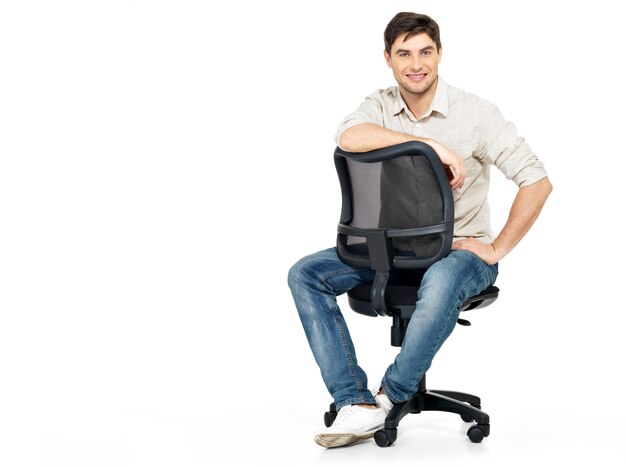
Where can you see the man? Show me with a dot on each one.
(469, 135)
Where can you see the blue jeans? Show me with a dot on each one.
(316, 280)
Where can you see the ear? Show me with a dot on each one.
(387, 58)
(440, 52)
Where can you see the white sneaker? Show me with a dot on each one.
(353, 423)
(384, 402)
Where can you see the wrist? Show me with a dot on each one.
(431, 142)
(498, 252)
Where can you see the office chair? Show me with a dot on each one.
(397, 218)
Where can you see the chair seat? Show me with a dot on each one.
(402, 298)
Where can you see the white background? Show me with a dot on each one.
(164, 163)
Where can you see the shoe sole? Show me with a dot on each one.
(335, 440)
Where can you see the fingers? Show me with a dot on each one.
(468, 244)
(484, 251)
(460, 245)
(458, 175)
(455, 164)
(457, 182)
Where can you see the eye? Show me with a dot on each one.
(426, 53)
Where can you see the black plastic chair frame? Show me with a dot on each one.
(374, 299)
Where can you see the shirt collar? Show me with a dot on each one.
(439, 103)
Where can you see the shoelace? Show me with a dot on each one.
(344, 413)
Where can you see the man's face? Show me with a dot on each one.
(414, 63)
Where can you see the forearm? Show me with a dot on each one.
(369, 137)
(524, 212)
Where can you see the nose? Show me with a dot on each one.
(416, 62)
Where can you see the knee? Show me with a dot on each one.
(302, 272)
(294, 275)
(310, 271)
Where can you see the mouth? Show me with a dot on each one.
(416, 77)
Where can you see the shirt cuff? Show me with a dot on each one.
(346, 126)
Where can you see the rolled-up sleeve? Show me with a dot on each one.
(370, 111)
(502, 147)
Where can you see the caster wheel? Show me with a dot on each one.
(476, 434)
(329, 417)
(385, 437)
(468, 418)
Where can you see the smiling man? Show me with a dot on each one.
(470, 135)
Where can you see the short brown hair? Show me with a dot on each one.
(411, 24)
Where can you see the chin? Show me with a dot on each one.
(417, 89)
(420, 88)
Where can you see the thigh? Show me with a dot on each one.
(324, 269)
(461, 273)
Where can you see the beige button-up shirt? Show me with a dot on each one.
(471, 126)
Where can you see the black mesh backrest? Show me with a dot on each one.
(402, 190)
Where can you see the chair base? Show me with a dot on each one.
(463, 404)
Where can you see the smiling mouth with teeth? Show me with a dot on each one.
(416, 77)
